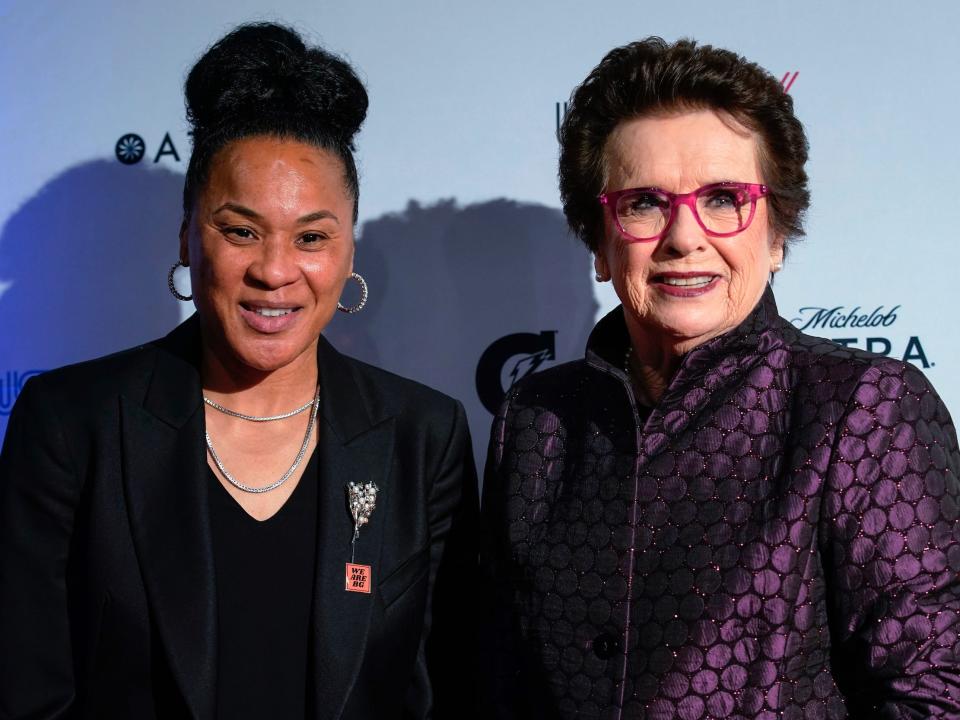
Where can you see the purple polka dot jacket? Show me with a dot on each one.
(777, 538)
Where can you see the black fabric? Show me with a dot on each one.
(264, 582)
(108, 593)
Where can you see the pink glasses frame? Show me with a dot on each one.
(755, 191)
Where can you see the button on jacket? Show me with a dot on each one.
(107, 579)
(777, 538)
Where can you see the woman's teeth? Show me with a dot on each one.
(273, 312)
(687, 281)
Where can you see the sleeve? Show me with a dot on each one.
(503, 690)
(446, 666)
(891, 545)
(38, 493)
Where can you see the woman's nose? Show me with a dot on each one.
(684, 235)
(274, 266)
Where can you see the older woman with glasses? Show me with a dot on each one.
(713, 515)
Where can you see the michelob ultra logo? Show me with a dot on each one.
(840, 325)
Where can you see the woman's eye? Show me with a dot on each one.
(240, 232)
(312, 238)
(643, 203)
(722, 199)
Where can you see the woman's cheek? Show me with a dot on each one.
(635, 291)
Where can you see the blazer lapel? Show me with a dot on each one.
(164, 470)
(355, 445)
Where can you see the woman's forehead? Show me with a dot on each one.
(265, 155)
(681, 149)
(268, 171)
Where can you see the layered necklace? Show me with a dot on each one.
(315, 404)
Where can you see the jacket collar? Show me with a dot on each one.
(703, 370)
(164, 472)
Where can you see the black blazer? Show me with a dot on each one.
(108, 604)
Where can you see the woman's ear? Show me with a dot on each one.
(600, 266)
(776, 254)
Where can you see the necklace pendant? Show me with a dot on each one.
(358, 578)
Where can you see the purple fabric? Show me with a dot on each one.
(778, 538)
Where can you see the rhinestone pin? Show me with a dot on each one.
(362, 498)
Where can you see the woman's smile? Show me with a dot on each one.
(685, 284)
(269, 318)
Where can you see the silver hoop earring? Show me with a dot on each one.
(363, 296)
(173, 288)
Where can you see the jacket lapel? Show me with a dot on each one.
(164, 470)
(355, 445)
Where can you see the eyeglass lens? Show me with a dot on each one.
(645, 213)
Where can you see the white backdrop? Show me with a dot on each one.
(460, 233)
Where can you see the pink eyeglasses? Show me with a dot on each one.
(722, 209)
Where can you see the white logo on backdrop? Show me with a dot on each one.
(867, 325)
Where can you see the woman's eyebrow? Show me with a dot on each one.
(318, 215)
(239, 209)
(254, 215)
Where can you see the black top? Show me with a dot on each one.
(264, 577)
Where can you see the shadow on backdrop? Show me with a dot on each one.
(449, 283)
(84, 263)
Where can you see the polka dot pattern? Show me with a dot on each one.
(778, 538)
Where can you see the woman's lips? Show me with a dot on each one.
(269, 319)
(685, 284)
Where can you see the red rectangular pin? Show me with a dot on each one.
(358, 578)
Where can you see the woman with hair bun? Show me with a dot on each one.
(236, 520)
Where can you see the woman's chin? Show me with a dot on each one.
(267, 363)
(689, 329)
(266, 355)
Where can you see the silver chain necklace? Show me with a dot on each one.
(293, 468)
(255, 418)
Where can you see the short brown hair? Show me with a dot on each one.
(651, 76)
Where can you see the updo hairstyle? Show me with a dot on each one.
(261, 79)
(652, 76)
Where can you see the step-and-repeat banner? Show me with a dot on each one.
(474, 281)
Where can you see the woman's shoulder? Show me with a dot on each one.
(811, 351)
(862, 377)
(553, 389)
(131, 370)
(565, 375)
(108, 375)
(393, 384)
(397, 395)
(82, 399)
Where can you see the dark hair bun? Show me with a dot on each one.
(264, 70)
